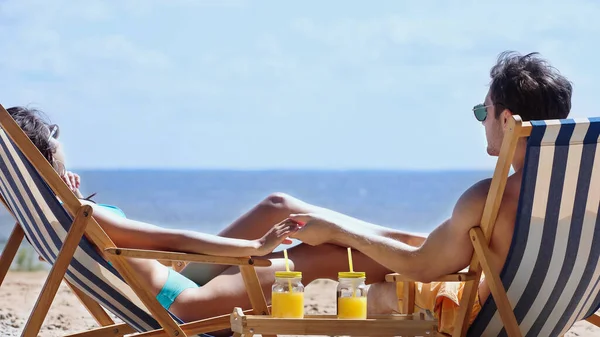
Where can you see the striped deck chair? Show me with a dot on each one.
(69, 238)
(551, 278)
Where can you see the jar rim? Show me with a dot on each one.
(288, 274)
(349, 274)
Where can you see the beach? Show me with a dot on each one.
(67, 315)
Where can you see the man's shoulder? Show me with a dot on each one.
(477, 193)
(469, 207)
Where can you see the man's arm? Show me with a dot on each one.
(411, 239)
(446, 250)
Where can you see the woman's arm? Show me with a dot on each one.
(127, 233)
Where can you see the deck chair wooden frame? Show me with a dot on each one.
(481, 260)
(329, 325)
(84, 224)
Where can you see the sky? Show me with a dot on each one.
(235, 84)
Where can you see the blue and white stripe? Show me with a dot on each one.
(46, 224)
(552, 273)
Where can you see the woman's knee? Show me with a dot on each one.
(277, 199)
(281, 202)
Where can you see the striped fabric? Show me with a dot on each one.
(552, 273)
(46, 224)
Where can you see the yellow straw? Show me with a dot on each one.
(287, 268)
(287, 263)
(350, 259)
(351, 269)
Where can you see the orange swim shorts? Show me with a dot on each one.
(441, 300)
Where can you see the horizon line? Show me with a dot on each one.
(285, 169)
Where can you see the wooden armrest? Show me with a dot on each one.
(457, 277)
(177, 256)
(594, 319)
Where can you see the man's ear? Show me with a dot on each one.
(505, 117)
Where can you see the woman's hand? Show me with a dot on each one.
(73, 181)
(277, 235)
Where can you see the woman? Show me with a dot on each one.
(255, 233)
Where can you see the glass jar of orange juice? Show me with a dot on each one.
(352, 295)
(287, 295)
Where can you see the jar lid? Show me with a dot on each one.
(349, 274)
(288, 274)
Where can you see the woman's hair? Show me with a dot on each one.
(39, 131)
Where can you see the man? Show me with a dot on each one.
(520, 85)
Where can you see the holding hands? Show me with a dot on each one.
(312, 229)
(277, 235)
(315, 229)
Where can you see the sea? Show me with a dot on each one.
(209, 200)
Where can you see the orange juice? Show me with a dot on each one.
(352, 307)
(287, 305)
(352, 295)
(287, 295)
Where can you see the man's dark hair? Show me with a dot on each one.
(37, 129)
(529, 87)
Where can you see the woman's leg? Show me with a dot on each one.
(227, 290)
(278, 206)
(254, 224)
(261, 218)
(257, 221)
(251, 225)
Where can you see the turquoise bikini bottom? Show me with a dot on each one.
(176, 283)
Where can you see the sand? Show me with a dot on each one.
(20, 290)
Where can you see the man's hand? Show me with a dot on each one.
(277, 235)
(315, 229)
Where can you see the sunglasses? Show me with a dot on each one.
(480, 111)
(54, 131)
